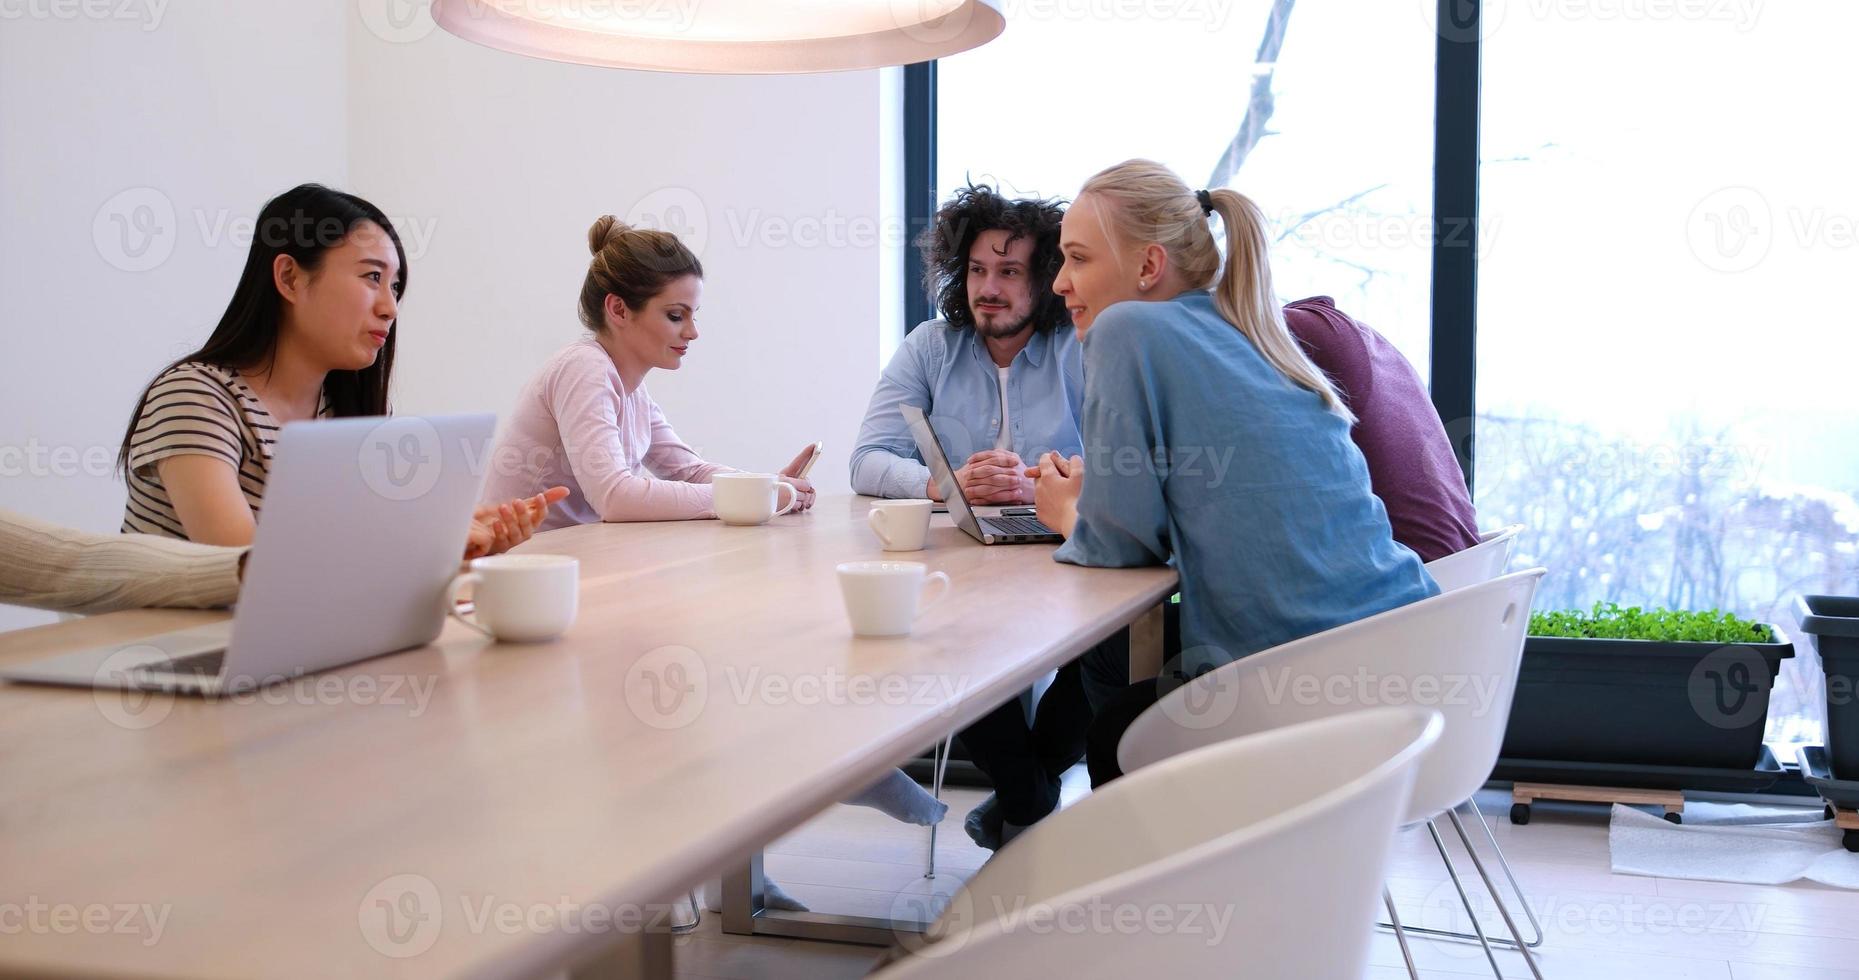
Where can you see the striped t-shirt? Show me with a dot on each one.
(197, 409)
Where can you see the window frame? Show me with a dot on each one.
(1454, 313)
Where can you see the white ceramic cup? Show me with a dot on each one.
(901, 525)
(750, 498)
(519, 598)
(883, 598)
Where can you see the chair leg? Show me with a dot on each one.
(1536, 928)
(1516, 889)
(1400, 935)
(697, 916)
(1491, 886)
(1464, 899)
(940, 764)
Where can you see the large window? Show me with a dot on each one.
(1265, 96)
(1667, 352)
(1667, 332)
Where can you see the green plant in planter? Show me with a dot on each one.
(1608, 621)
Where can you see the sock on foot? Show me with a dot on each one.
(899, 796)
(983, 823)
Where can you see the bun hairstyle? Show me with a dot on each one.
(634, 264)
(1149, 203)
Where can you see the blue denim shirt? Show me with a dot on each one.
(1198, 450)
(950, 375)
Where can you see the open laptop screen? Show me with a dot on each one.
(931, 447)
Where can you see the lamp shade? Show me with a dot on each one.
(726, 36)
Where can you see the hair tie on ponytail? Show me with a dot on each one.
(1207, 202)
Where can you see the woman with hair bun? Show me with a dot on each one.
(586, 422)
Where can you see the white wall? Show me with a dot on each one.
(200, 111)
(491, 165)
(783, 185)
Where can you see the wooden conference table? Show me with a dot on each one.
(470, 809)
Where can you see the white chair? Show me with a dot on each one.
(1256, 857)
(1481, 562)
(1457, 652)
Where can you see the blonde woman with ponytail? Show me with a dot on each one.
(586, 421)
(1211, 440)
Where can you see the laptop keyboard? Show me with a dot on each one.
(1018, 525)
(205, 664)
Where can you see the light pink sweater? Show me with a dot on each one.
(575, 426)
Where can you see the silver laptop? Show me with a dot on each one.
(364, 524)
(987, 530)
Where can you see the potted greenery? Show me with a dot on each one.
(1630, 689)
(1833, 623)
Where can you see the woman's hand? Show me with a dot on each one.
(1057, 482)
(790, 475)
(497, 529)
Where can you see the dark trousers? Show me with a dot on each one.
(1025, 763)
(1115, 702)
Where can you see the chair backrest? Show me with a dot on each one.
(1260, 856)
(1457, 652)
(1481, 562)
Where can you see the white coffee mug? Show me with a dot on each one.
(519, 598)
(901, 525)
(749, 498)
(883, 598)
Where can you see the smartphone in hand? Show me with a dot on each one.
(818, 448)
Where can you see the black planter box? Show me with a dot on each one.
(1640, 702)
(1833, 622)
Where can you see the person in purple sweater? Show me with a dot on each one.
(1411, 465)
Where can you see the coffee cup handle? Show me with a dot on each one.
(472, 579)
(943, 584)
(876, 519)
(793, 496)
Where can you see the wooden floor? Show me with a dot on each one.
(1599, 925)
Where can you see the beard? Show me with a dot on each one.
(1001, 326)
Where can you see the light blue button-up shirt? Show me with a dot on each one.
(949, 374)
(1198, 450)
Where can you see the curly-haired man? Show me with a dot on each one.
(1000, 372)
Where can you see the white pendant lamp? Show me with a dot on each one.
(726, 36)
